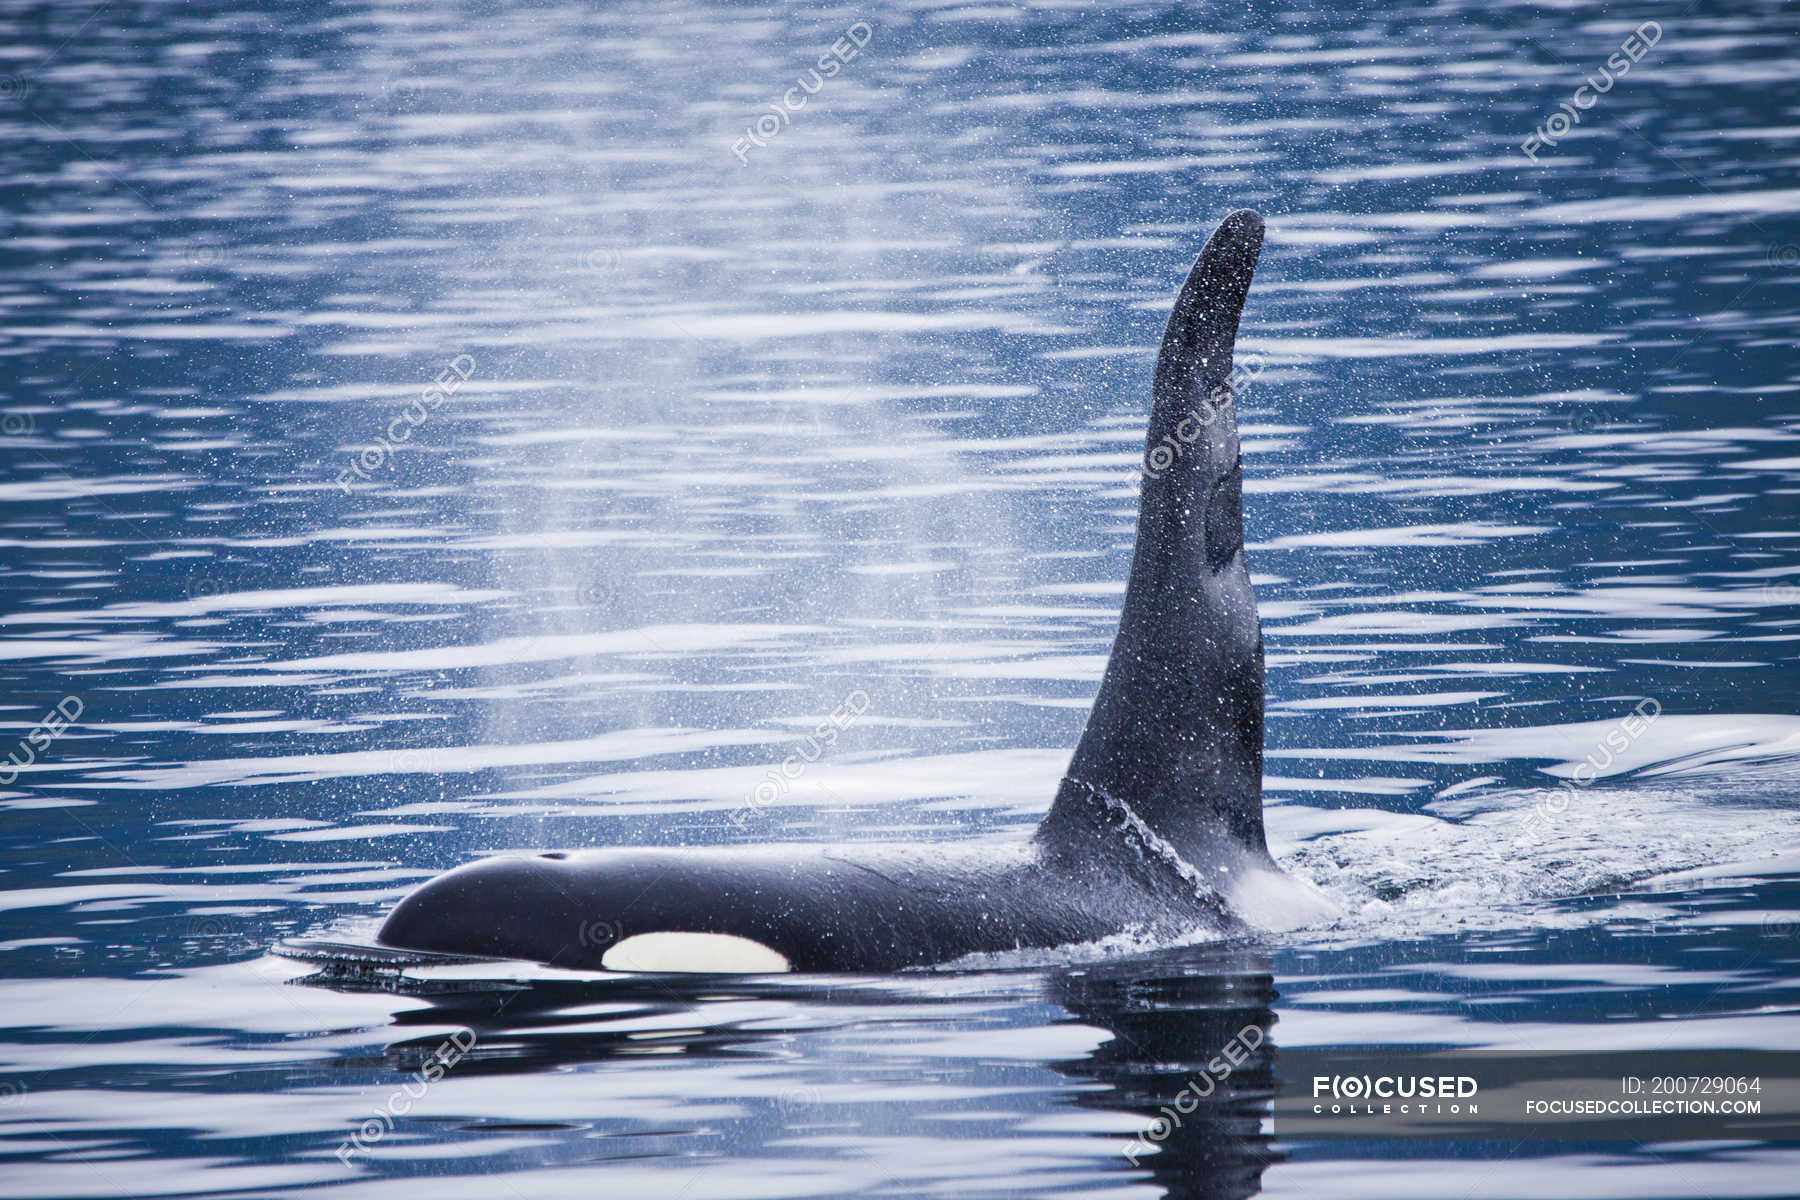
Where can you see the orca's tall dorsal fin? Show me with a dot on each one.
(1175, 735)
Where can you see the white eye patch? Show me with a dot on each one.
(710, 953)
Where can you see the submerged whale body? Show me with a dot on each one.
(1156, 830)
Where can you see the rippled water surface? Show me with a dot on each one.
(755, 421)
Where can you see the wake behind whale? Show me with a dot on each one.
(1156, 829)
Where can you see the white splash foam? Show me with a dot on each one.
(1475, 863)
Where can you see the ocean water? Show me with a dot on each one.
(740, 420)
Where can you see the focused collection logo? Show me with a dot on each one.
(1385, 1095)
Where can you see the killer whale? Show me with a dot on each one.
(1156, 830)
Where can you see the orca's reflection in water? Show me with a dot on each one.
(1186, 1053)
(1191, 1052)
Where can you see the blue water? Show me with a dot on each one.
(863, 411)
